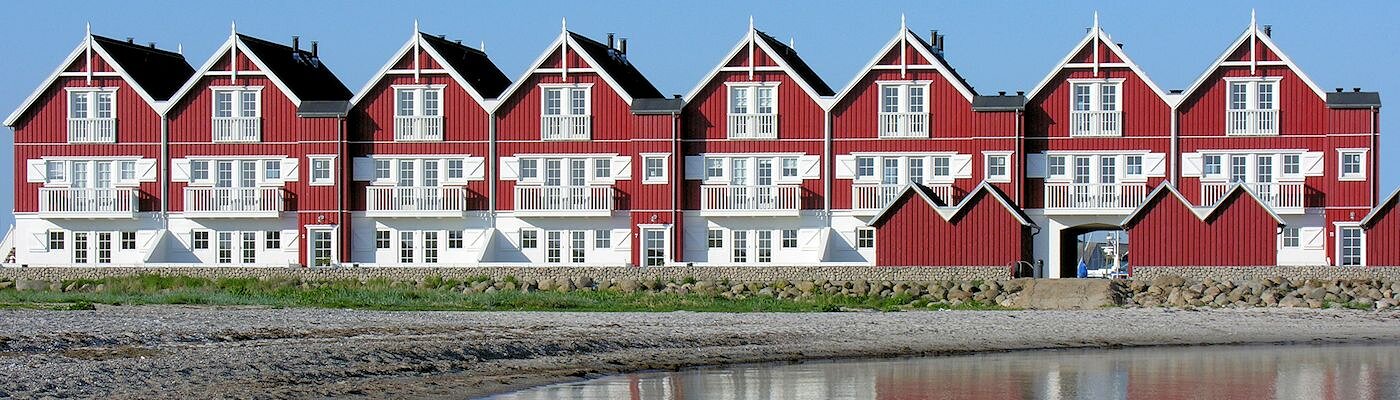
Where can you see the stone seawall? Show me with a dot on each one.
(1226, 274)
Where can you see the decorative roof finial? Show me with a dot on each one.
(415, 27)
(1096, 20)
(750, 22)
(233, 27)
(902, 26)
(1252, 22)
(87, 29)
(483, 46)
(564, 25)
(180, 49)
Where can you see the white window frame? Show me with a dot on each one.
(1005, 176)
(1252, 102)
(566, 110)
(236, 110)
(1290, 233)
(330, 180)
(92, 95)
(903, 113)
(865, 242)
(647, 177)
(1361, 173)
(1340, 226)
(1284, 174)
(419, 111)
(1097, 109)
(726, 168)
(788, 241)
(752, 107)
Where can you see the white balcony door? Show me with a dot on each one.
(1264, 177)
(1083, 175)
(1108, 179)
(408, 179)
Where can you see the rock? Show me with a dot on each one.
(1063, 294)
(1315, 294)
(5, 285)
(959, 295)
(30, 285)
(766, 291)
(55, 286)
(546, 285)
(1291, 302)
(583, 282)
(805, 286)
(628, 285)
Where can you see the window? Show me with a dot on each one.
(272, 240)
(430, 247)
(1055, 166)
(272, 170)
(454, 239)
(1239, 168)
(903, 110)
(321, 170)
(405, 246)
(753, 111)
(740, 246)
(56, 240)
(655, 169)
(250, 247)
(715, 238)
(80, 247)
(916, 170)
(865, 238)
(789, 238)
(789, 167)
(199, 170)
(602, 239)
(997, 170)
(714, 167)
(654, 247)
(765, 246)
(55, 171)
(529, 168)
(865, 167)
(602, 168)
(91, 117)
(553, 246)
(200, 240)
(104, 247)
(381, 239)
(1291, 164)
(1351, 246)
(940, 167)
(224, 253)
(1352, 166)
(236, 114)
(128, 240)
(455, 169)
(1211, 165)
(419, 101)
(890, 173)
(1252, 108)
(1133, 165)
(566, 112)
(1094, 106)
(529, 239)
(578, 242)
(127, 171)
(1290, 238)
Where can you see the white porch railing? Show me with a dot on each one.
(904, 125)
(1283, 196)
(750, 200)
(753, 126)
(1095, 196)
(564, 200)
(1096, 123)
(237, 129)
(88, 202)
(92, 130)
(873, 197)
(1251, 122)
(417, 128)
(415, 201)
(566, 127)
(234, 202)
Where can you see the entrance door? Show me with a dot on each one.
(653, 247)
(322, 247)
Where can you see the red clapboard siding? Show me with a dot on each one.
(1144, 112)
(1301, 111)
(520, 114)
(463, 118)
(916, 235)
(842, 188)
(811, 188)
(1383, 237)
(1168, 233)
(857, 115)
(799, 116)
(27, 194)
(47, 120)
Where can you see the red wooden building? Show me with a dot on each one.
(1380, 244)
(917, 228)
(1169, 230)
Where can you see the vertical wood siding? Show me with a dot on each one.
(1383, 239)
(1240, 233)
(916, 235)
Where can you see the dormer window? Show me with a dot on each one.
(1095, 108)
(237, 114)
(753, 110)
(92, 115)
(903, 110)
(566, 112)
(1252, 106)
(418, 113)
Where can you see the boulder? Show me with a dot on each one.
(30, 285)
(806, 286)
(1067, 294)
(1169, 281)
(628, 285)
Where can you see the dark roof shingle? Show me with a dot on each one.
(305, 75)
(800, 67)
(160, 73)
(615, 64)
(1353, 99)
(472, 65)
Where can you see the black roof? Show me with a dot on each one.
(803, 71)
(1354, 99)
(472, 65)
(615, 64)
(160, 73)
(303, 73)
(657, 106)
(1001, 102)
(939, 55)
(323, 109)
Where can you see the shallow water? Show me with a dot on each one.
(1215, 372)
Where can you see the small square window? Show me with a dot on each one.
(383, 169)
(529, 168)
(272, 170)
(56, 171)
(714, 167)
(1290, 238)
(128, 240)
(381, 239)
(201, 240)
(789, 238)
(602, 168)
(127, 170)
(199, 170)
(865, 238)
(321, 171)
(789, 167)
(529, 239)
(940, 167)
(997, 168)
(454, 239)
(1211, 165)
(272, 240)
(455, 169)
(655, 169)
(715, 237)
(865, 167)
(1056, 166)
(1352, 167)
(1292, 164)
(602, 239)
(56, 240)
(1134, 165)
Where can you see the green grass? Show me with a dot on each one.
(435, 294)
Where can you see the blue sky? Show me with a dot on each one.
(996, 45)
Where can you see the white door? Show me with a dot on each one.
(653, 247)
(322, 246)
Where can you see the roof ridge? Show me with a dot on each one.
(134, 46)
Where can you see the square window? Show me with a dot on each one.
(940, 167)
(383, 169)
(455, 169)
(128, 240)
(865, 238)
(201, 240)
(127, 169)
(55, 171)
(272, 240)
(529, 239)
(272, 170)
(529, 168)
(1056, 166)
(997, 168)
(199, 170)
(715, 238)
(714, 167)
(789, 238)
(321, 171)
(1292, 164)
(56, 240)
(1290, 238)
(1134, 165)
(865, 167)
(381, 239)
(602, 168)
(1351, 166)
(602, 239)
(1211, 165)
(655, 169)
(454, 239)
(789, 167)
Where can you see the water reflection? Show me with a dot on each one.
(1235, 372)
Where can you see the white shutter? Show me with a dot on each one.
(146, 170)
(41, 242)
(810, 239)
(1154, 164)
(961, 165)
(845, 167)
(694, 168)
(622, 168)
(38, 171)
(180, 170)
(1191, 164)
(1035, 165)
(622, 239)
(1312, 163)
(289, 170)
(1312, 238)
(510, 168)
(289, 241)
(809, 167)
(474, 168)
(362, 169)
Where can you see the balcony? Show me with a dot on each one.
(566, 127)
(903, 125)
(1097, 198)
(1095, 123)
(1284, 198)
(217, 202)
(92, 130)
(415, 201)
(1251, 122)
(726, 200)
(753, 126)
(418, 129)
(564, 201)
(87, 202)
(237, 129)
(871, 198)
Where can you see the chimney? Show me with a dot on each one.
(1356, 90)
(622, 46)
(1120, 45)
(676, 96)
(933, 37)
(1339, 90)
(315, 48)
(131, 40)
(1020, 93)
(610, 41)
(1269, 30)
(152, 44)
(1001, 93)
(296, 43)
(940, 43)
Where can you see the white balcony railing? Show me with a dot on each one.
(88, 202)
(415, 201)
(237, 129)
(753, 126)
(564, 200)
(417, 129)
(1251, 122)
(1280, 196)
(1121, 197)
(903, 125)
(234, 202)
(92, 130)
(874, 197)
(566, 127)
(750, 200)
(1095, 123)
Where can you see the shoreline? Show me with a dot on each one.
(172, 351)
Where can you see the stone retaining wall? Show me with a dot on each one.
(1228, 274)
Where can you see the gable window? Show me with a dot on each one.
(903, 109)
(1353, 168)
(418, 113)
(1251, 106)
(237, 114)
(92, 115)
(753, 111)
(1095, 108)
(566, 111)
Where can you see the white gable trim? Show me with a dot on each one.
(1201, 212)
(1252, 32)
(82, 49)
(223, 50)
(563, 40)
(951, 211)
(417, 39)
(1394, 196)
(1097, 35)
(750, 41)
(906, 36)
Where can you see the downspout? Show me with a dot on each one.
(491, 172)
(164, 172)
(342, 217)
(676, 182)
(1020, 181)
(1375, 155)
(826, 167)
(1175, 156)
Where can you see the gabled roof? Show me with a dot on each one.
(1353, 100)
(155, 74)
(1096, 37)
(1247, 37)
(935, 58)
(1203, 212)
(471, 68)
(609, 64)
(786, 58)
(950, 212)
(1381, 208)
(300, 75)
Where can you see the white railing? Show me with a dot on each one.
(903, 125)
(565, 127)
(1276, 195)
(1095, 123)
(753, 126)
(726, 199)
(237, 129)
(88, 202)
(234, 202)
(1094, 195)
(1251, 122)
(564, 200)
(871, 197)
(92, 130)
(415, 201)
(417, 128)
